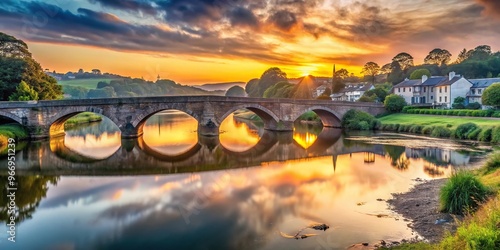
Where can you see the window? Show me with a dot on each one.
(404, 89)
(432, 89)
(445, 99)
(409, 89)
(440, 99)
(473, 91)
(425, 88)
(432, 97)
(445, 88)
(440, 90)
(479, 91)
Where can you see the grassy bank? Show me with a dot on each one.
(7, 131)
(481, 229)
(430, 120)
(85, 117)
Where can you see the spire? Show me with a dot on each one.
(158, 77)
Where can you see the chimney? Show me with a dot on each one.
(451, 75)
(424, 78)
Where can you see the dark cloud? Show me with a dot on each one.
(283, 20)
(243, 17)
(145, 7)
(492, 7)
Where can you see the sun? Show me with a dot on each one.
(307, 70)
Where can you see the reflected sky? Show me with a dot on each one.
(231, 209)
(238, 136)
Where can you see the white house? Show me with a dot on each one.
(478, 86)
(455, 86)
(352, 93)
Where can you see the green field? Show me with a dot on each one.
(86, 83)
(434, 120)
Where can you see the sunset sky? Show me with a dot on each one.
(200, 41)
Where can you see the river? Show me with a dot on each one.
(245, 189)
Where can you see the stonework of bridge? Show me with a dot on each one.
(47, 118)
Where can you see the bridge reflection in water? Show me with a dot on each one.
(134, 156)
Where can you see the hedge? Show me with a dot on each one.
(452, 112)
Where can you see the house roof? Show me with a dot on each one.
(357, 88)
(449, 82)
(434, 80)
(408, 83)
(484, 82)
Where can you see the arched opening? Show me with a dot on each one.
(309, 125)
(86, 135)
(241, 130)
(170, 132)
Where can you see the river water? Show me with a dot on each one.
(246, 189)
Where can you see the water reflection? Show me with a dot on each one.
(237, 135)
(269, 183)
(171, 132)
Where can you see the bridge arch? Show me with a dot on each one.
(11, 116)
(269, 118)
(141, 119)
(56, 122)
(328, 116)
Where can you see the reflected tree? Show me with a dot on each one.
(30, 191)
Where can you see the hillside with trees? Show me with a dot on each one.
(21, 77)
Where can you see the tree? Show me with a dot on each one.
(269, 78)
(342, 73)
(303, 89)
(462, 56)
(16, 65)
(24, 93)
(491, 95)
(252, 87)
(386, 69)
(417, 74)
(481, 52)
(396, 75)
(394, 103)
(102, 84)
(404, 60)
(371, 69)
(458, 103)
(235, 91)
(438, 56)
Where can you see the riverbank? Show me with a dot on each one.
(14, 131)
(82, 118)
(445, 231)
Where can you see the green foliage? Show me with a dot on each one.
(270, 77)
(473, 105)
(303, 88)
(252, 88)
(485, 135)
(463, 193)
(378, 94)
(394, 103)
(427, 130)
(102, 84)
(24, 93)
(309, 116)
(495, 135)
(16, 65)
(235, 91)
(416, 129)
(493, 163)
(440, 131)
(371, 69)
(438, 56)
(459, 103)
(13, 130)
(417, 74)
(491, 95)
(75, 92)
(280, 90)
(359, 120)
(474, 134)
(463, 130)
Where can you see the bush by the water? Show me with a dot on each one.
(463, 193)
(463, 130)
(441, 131)
(394, 103)
(485, 135)
(495, 135)
(451, 112)
(427, 130)
(359, 120)
(15, 131)
(493, 162)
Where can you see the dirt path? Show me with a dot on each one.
(421, 206)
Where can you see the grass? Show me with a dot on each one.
(462, 193)
(85, 117)
(428, 120)
(480, 229)
(7, 131)
(85, 83)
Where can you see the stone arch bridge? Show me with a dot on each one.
(46, 118)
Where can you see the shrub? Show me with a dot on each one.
(427, 130)
(493, 162)
(462, 113)
(417, 129)
(441, 131)
(485, 135)
(358, 120)
(394, 103)
(463, 130)
(462, 193)
(495, 135)
(449, 125)
(496, 114)
(474, 134)
(473, 105)
(404, 128)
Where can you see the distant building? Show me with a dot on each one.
(352, 93)
(478, 86)
(319, 91)
(437, 90)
